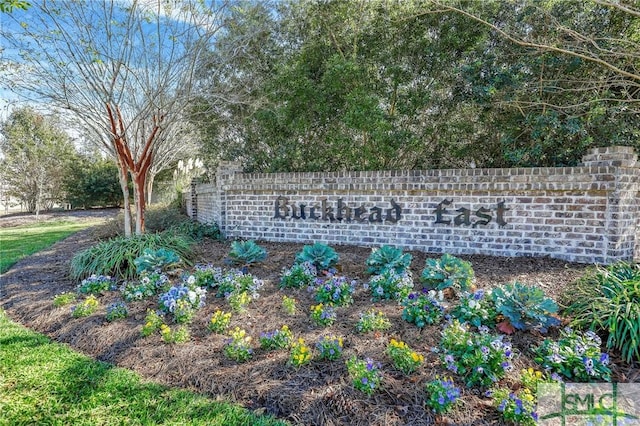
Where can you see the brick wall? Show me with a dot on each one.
(585, 214)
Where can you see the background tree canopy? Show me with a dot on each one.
(362, 85)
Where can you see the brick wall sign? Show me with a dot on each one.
(585, 214)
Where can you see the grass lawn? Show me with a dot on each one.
(20, 241)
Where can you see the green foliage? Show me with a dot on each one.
(443, 395)
(365, 374)
(95, 284)
(607, 300)
(386, 258)
(246, 252)
(329, 347)
(148, 285)
(92, 183)
(219, 322)
(238, 348)
(85, 308)
(319, 255)
(517, 408)
(372, 321)
(152, 323)
(179, 335)
(116, 257)
(63, 299)
(299, 275)
(403, 357)
(116, 311)
(322, 315)
(335, 290)
(277, 339)
(526, 307)
(475, 308)
(170, 218)
(7, 6)
(391, 285)
(155, 260)
(422, 309)
(289, 305)
(448, 272)
(300, 354)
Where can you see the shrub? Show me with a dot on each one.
(365, 374)
(116, 256)
(575, 356)
(246, 252)
(182, 301)
(116, 311)
(476, 308)
(443, 395)
(155, 260)
(85, 308)
(480, 358)
(372, 321)
(422, 308)
(329, 347)
(526, 307)
(170, 218)
(300, 354)
(238, 347)
(391, 285)
(336, 291)
(95, 284)
(299, 275)
(388, 258)
(219, 322)
(403, 357)
(319, 255)
(607, 300)
(63, 299)
(277, 339)
(448, 272)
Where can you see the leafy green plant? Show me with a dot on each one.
(148, 285)
(95, 284)
(365, 374)
(319, 255)
(300, 353)
(299, 275)
(179, 335)
(525, 307)
(246, 252)
(85, 308)
(155, 260)
(372, 321)
(607, 300)
(443, 395)
(64, 299)
(388, 258)
(116, 257)
(329, 347)
(476, 308)
(336, 290)
(519, 408)
(183, 301)
(323, 316)
(289, 305)
(391, 285)
(116, 311)
(219, 321)
(239, 300)
(238, 346)
(277, 339)
(152, 322)
(422, 308)
(403, 357)
(448, 272)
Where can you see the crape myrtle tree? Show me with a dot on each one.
(121, 70)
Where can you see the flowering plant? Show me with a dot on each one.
(116, 310)
(179, 335)
(95, 284)
(152, 322)
(404, 358)
(149, 285)
(336, 290)
(365, 374)
(289, 305)
(443, 395)
(86, 307)
(63, 299)
(422, 308)
(476, 308)
(235, 281)
(299, 275)
(219, 322)
(239, 300)
(322, 315)
(518, 408)
(300, 354)
(208, 276)
(480, 358)
(277, 339)
(575, 356)
(238, 347)
(391, 285)
(372, 321)
(329, 347)
(182, 301)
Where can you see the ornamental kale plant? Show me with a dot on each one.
(526, 307)
(238, 346)
(403, 357)
(300, 354)
(277, 339)
(219, 322)
(96, 284)
(422, 308)
(388, 258)
(443, 395)
(246, 252)
(336, 290)
(323, 316)
(299, 275)
(448, 272)
(329, 347)
(321, 256)
(476, 308)
(85, 308)
(575, 356)
(481, 359)
(116, 311)
(391, 285)
(148, 285)
(64, 299)
(182, 301)
(365, 374)
(372, 321)
(156, 260)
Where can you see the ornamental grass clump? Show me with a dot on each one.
(183, 301)
(372, 321)
(64, 299)
(246, 253)
(152, 322)
(403, 357)
(448, 272)
(219, 322)
(525, 307)
(329, 347)
(276, 339)
(481, 359)
(85, 308)
(388, 258)
(238, 346)
(322, 315)
(96, 284)
(575, 355)
(365, 374)
(335, 290)
(116, 311)
(300, 354)
(321, 256)
(391, 285)
(298, 276)
(149, 285)
(443, 395)
(422, 308)
(475, 308)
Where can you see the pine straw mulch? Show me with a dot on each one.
(317, 394)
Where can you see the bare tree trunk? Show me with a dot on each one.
(149, 186)
(124, 186)
(139, 185)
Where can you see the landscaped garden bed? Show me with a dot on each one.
(342, 373)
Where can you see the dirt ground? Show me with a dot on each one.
(317, 394)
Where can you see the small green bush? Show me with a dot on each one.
(526, 307)
(116, 257)
(448, 272)
(319, 255)
(246, 252)
(386, 258)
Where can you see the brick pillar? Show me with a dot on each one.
(225, 174)
(618, 163)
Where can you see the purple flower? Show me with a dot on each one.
(604, 358)
(364, 380)
(478, 295)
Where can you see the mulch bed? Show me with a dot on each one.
(317, 394)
